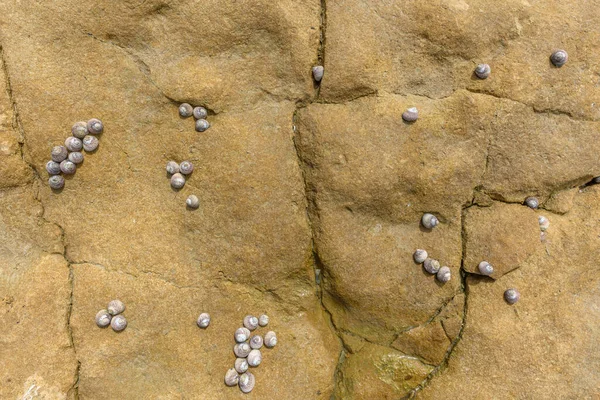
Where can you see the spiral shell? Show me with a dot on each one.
(192, 201)
(246, 382)
(420, 256)
(429, 221)
(512, 296)
(95, 126)
(56, 182)
(186, 167)
(317, 72)
(241, 365)
(118, 323)
(242, 334)
(76, 157)
(483, 71)
(251, 322)
(410, 115)
(90, 143)
(444, 274)
(186, 110)
(103, 318)
(59, 153)
(559, 58)
(68, 167)
(79, 129)
(200, 113)
(532, 202)
(53, 167)
(73, 144)
(241, 350)
(172, 167)
(263, 320)
(202, 125)
(256, 342)
(203, 320)
(177, 181)
(485, 268)
(115, 307)
(254, 358)
(432, 266)
(544, 223)
(270, 339)
(231, 377)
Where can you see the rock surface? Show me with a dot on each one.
(310, 198)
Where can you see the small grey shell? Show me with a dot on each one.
(410, 115)
(485, 268)
(185, 110)
(231, 377)
(483, 71)
(317, 72)
(76, 157)
(559, 58)
(241, 349)
(68, 167)
(192, 201)
(172, 167)
(56, 182)
(263, 320)
(200, 113)
(544, 223)
(95, 126)
(270, 339)
(432, 266)
(59, 153)
(420, 256)
(103, 318)
(256, 342)
(532, 202)
(73, 144)
(79, 129)
(444, 274)
(242, 334)
(429, 221)
(115, 307)
(53, 167)
(177, 181)
(186, 167)
(254, 358)
(202, 125)
(203, 320)
(241, 365)
(251, 322)
(118, 323)
(246, 382)
(90, 143)
(511, 296)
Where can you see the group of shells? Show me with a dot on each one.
(247, 350)
(112, 316)
(65, 159)
(199, 113)
(178, 174)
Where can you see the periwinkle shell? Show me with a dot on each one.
(317, 72)
(485, 268)
(246, 382)
(203, 320)
(115, 307)
(177, 181)
(200, 113)
(432, 266)
(532, 202)
(59, 153)
(118, 323)
(202, 125)
(103, 318)
(512, 296)
(483, 71)
(559, 58)
(263, 320)
(53, 167)
(172, 167)
(192, 201)
(186, 167)
(241, 365)
(270, 339)
(420, 256)
(76, 157)
(79, 129)
(73, 143)
(95, 126)
(242, 350)
(254, 358)
(56, 182)
(410, 115)
(242, 334)
(231, 377)
(67, 167)
(251, 322)
(429, 221)
(185, 110)
(90, 143)
(256, 342)
(444, 274)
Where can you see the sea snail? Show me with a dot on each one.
(410, 115)
(242, 334)
(559, 58)
(67, 167)
(172, 167)
(444, 274)
(203, 320)
(231, 377)
(251, 322)
(202, 125)
(317, 72)
(79, 129)
(263, 320)
(254, 358)
(73, 144)
(115, 307)
(53, 167)
(200, 113)
(185, 110)
(95, 126)
(192, 201)
(485, 268)
(420, 256)
(544, 223)
(59, 153)
(56, 182)
(103, 318)
(270, 339)
(76, 157)
(241, 365)
(432, 266)
(241, 350)
(118, 323)
(429, 221)
(512, 296)
(177, 181)
(532, 202)
(90, 143)
(256, 342)
(483, 71)
(246, 382)
(186, 167)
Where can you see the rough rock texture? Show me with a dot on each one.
(310, 198)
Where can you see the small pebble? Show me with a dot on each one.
(73, 144)
(79, 129)
(185, 110)
(68, 167)
(95, 126)
(76, 157)
(512, 296)
(59, 153)
(318, 71)
(186, 167)
(203, 320)
(202, 125)
(90, 143)
(172, 167)
(200, 113)
(56, 182)
(410, 115)
(177, 181)
(53, 167)
(192, 201)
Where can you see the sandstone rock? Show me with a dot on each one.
(428, 342)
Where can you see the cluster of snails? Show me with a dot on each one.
(66, 158)
(200, 113)
(533, 202)
(112, 316)
(247, 351)
(443, 274)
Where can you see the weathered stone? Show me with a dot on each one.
(428, 342)
(561, 202)
(505, 235)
